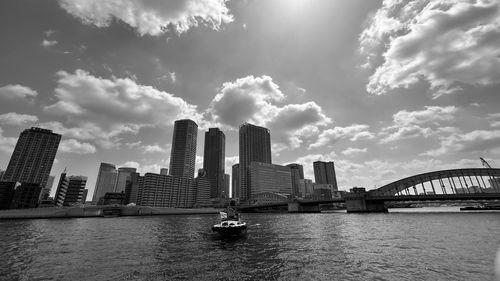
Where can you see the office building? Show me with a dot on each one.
(324, 172)
(106, 181)
(265, 177)
(323, 191)
(163, 171)
(306, 188)
(44, 195)
(26, 196)
(183, 153)
(123, 177)
(235, 188)
(62, 188)
(214, 161)
(203, 188)
(76, 189)
(227, 186)
(132, 190)
(167, 191)
(33, 157)
(297, 175)
(7, 189)
(254, 146)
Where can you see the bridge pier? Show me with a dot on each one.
(296, 207)
(357, 202)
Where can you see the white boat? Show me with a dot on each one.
(230, 225)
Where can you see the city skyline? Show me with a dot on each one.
(333, 81)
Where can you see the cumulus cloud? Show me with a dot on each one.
(353, 132)
(256, 100)
(411, 124)
(48, 43)
(7, 144)
(494, 119)
(105, 108)
(17, 92)
(16, 119)
(74, 146)
(152, 17)
(350, 151)
(442, 42)
(474, 141)
(153, 149)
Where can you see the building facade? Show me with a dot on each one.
(254, 146)
(106, 181)
(214, 157)
(26, 196)
(7, 189)
(324, 173)
(44, 195)
(33, 157)
(297, 171)
(235, 185)
(124, 174)
(265, 177)
(62, 188)
(183, 153)
(167, 191)
(76, 190)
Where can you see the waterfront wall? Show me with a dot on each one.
(98, 211)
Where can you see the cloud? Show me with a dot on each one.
(48, 43)
(248, 99)
(411, 124)
(7, 144)
(153, 149)
(353, 132)
(256, 100)
(74, 146)
(152, 17)
(494, 119)
(105, 108)
(350, 151)
(16, 119)
(18, 92)
(474, 141)
(442, 42)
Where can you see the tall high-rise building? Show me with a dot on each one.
(214, 161)
(227, 184)
(235, 188)
(106, 181)
(297, 174)
(183, 153)
(324, 172)
(255, 146)
(33, 156)
(124, 175)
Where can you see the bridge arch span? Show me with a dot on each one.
(453, 181)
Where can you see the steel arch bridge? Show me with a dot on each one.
(456, 181)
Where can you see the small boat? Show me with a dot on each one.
(230, 225)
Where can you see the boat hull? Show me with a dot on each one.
(230, 230)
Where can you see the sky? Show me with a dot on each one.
(385, 89)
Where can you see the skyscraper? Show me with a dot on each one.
(33, 156)
(124, 175)
(297, 174)
(235, 189)
(255, 146)
(183, 153)
(214, 161)
(106, 181)
(324, 172)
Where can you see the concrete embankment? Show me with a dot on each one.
(99, 211)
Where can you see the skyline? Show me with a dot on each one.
(384, 90)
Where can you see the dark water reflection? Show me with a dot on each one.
(396, 246)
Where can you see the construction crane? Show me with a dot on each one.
(485, 164)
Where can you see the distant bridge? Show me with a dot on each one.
(445, 185)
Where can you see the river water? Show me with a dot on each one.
(411, 244)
